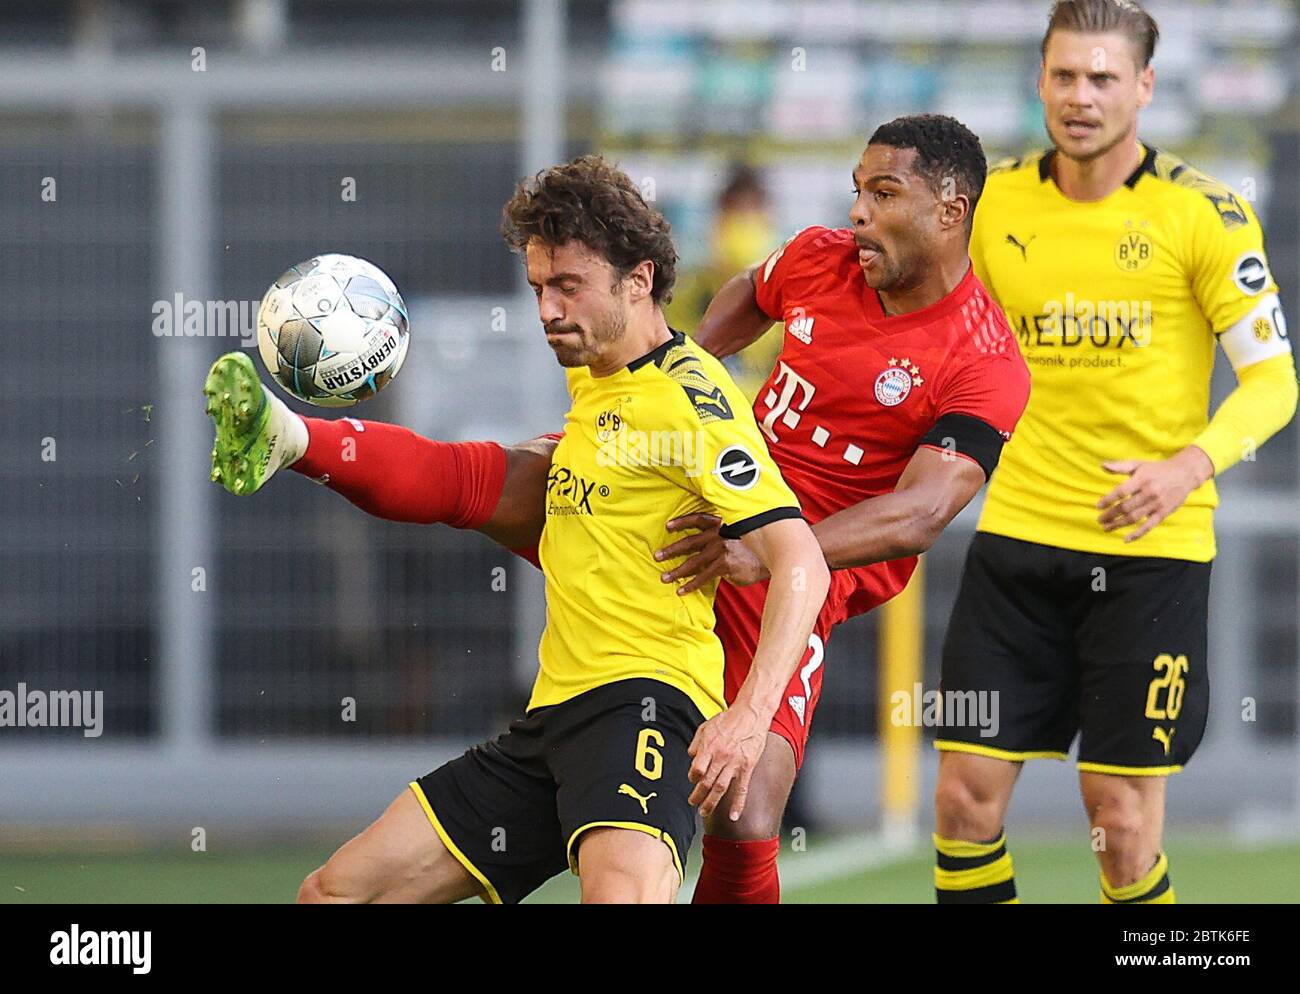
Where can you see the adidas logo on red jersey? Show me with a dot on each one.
(801, 327)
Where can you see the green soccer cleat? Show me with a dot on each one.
(256, 432)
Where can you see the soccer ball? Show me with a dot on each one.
(333, 330)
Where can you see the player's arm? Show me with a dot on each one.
(1231, 281)
(933, 489)
(733, 320)
(516, 521)
(737, 478)
(751, 302)
(1262, 403)
(727, 747)
(979, 406)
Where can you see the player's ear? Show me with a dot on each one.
(641, 280)
(954, 207)
(1146, 86)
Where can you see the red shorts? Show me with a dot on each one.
(739, 612)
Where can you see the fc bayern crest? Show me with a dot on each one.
(896, 382)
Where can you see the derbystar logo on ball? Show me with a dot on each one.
(333, 330)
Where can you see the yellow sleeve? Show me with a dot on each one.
(1228, 268)
(1260, 406)
(731, 470)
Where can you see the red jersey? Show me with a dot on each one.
(855, 390)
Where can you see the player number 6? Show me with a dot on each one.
(649, 760)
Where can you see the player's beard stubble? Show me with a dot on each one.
(1061, 142)
(581, 347)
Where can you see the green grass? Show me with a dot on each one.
(1064, 873)
(1204, 869)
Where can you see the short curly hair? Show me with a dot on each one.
(945, 149)
(593, 202)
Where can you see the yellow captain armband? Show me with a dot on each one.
(1265, 397)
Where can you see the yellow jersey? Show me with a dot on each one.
(667, 435)
(1116, 304)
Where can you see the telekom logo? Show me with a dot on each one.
(784, 405)
(788, 406)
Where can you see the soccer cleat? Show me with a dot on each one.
(256, 433)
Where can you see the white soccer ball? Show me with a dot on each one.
(333, 330)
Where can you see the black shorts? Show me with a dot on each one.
(511, 810)
(1055, 642)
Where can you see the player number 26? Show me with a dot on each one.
(649, 760)
(1171, 669)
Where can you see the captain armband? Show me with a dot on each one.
(1260, 335)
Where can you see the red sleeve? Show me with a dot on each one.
(778, 267)
(993, 387)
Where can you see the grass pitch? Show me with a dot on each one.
(1204, 869)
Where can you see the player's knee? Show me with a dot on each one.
(622, 885)
(963, 811)
(1125, 844)
(311, 892)
(760, 820)
(328, 885)
(1128, 861)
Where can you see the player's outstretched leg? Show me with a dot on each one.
(972, 864)
(386, 470)
(1127, 816)
(256, 432)
(397, 859)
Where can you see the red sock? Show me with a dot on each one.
(739, 872)
(391, 472)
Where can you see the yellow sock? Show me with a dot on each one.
(973, 872)
(1154, 888)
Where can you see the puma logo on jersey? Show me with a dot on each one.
(1024, 248)
(1165, 738)
(706, 397)
(713, 398)
(643, 801)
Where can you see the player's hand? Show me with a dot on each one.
(726, 748)
(709, 555)
(1153, 490)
